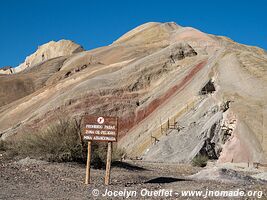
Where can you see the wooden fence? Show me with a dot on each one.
(172, 122)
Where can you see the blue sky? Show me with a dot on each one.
(25, 24)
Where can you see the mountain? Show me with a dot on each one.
(177, 91)
(46, 52)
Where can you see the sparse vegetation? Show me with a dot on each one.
(99, 154)
(60, 143)
(3, 145)
(117, 154)
(200, 160)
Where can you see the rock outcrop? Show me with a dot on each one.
(45, 52)
(6, 70)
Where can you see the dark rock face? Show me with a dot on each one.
(6, 70)
(189, 51)
(208, 149)
(182, 51)
(208, 88)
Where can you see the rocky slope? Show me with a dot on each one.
(212, 88)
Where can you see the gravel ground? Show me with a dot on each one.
(33, 179)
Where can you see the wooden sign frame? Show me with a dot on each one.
(100, 129)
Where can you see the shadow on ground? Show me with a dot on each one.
(165, 180)
(127, 166)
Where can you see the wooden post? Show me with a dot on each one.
(88, 164)
(107, 177)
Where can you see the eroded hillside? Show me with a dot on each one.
(156, 72)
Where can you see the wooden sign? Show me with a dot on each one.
(102, 129)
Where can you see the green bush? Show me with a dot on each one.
(200, 160)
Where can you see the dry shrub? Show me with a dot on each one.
(200, 160)
(3, 145)
(117, 153)
(99, 154)
(60, 142)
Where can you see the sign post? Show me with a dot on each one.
(101, 129)
(108, 164)
(88, 164)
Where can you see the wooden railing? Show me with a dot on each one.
(172, 122)
(257, 165)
